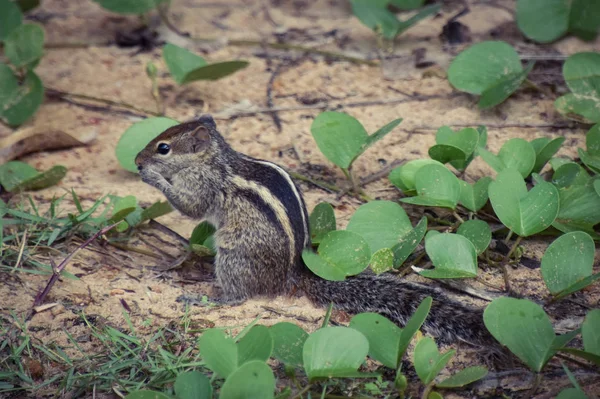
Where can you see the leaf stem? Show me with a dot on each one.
(427, 390)
(457, 216)
(536, 384)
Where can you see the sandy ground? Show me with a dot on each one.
(373, 94)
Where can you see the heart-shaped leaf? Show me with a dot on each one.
(341, 254)
(545, 150)
(339, 136)
(515, 153)
(453, 147)
(382, 260)
(403, 176)
(24, 45)
(569, 174)
(428, 360)
(321, 221)
(478, 232)
(137, 136)
(334, 352)
(582, 74)
(409, 242)
(17, 176)
(19, 102)
(193, 385)
(525, 213)
(579, 208)
(257, 344)
(590, 332)
(543, 20)
(288, 342)
(461, 262)
(186, 67)
(502, 89)
(218, 352)
(381, 223)
(474, 197)
(375, 16)
(412, 326)
(252, 380)
(11, 17)
(523, 327)
(482, 65)
(436, 186)
(463, 377)
(569, 259)
(129, 6)
(147, 395)
(383, 337)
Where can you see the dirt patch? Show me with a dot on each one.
(303, 86)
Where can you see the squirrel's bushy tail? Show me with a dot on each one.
(448, 321)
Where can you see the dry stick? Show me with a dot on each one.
(168, 231)
(24, 241)
(63, 94)
(274, 114)
(39, 298)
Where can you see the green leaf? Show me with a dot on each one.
(19, 102)
(10, 18)
(129, 6)
(483, 65)
(463, 377)
(583, 354)
(334, 352)
(453, 147)
(591, 161)
(592, 140)
(407, 4)
(584, 19)
(27, 5)
(419, 16)
(382, 260)
(579, 206)
(218, 352)
(42, 180)
(341, 253)
(201, 233)
(515, 153)
(582, 74)
(570, 174)
(543, 21)
(403, 176)
(381, 223)
(412, 326)
(137, 136)
(436, 186)
(525, 213)
(461, 262)
(428, 360)
(321, 221)
(523, 327)
(383, 337)
(579, 285)
(474, 197)
(214, 71)
(123, 207)
(409, 242)
(478, 232)
(156, 210)
(257, 344)
(147, 395)
(252, 380)
(24, 45)
(339, 136)
(375, 17)
(378, 135)
(590, 332)
(544, 150)
(186, 67)
(14, 173)
(569, 259)
(288, 342)
(193, 385)
(503, 88)
(571, 393)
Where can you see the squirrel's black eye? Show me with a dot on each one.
(163, 148)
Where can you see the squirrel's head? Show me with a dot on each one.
(179, 147)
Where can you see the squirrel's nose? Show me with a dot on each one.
(138, 162)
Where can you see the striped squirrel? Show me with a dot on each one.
(262, 228)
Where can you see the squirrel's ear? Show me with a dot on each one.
(207, 120)
(201, 138)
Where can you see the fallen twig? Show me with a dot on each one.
(56, 270)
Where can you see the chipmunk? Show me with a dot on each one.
(262, 229)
